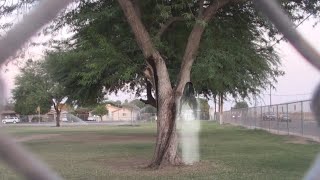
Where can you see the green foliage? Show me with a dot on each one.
(100, 110)
(204, 106)
(234, 56)
(35, 87)
(144, 108)
(241, 105)
(31, 90)
(138, 103)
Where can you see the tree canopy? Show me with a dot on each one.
(241, 105)
(234, 56)
(103, 55)
(100, 110)
(32, 90)
(35, 87)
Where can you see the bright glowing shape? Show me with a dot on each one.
(188, 126)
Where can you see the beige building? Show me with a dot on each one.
(124, 113)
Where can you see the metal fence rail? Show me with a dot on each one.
(12, 153)
(294, 118)
(32, 168)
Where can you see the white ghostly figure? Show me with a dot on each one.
(2, 101)
(189, 126)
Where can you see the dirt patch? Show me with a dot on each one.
(87, 137)
(298, 140)
(136, 166)
(36, 137)
(106, 138)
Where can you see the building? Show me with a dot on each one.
(126, 112)
(9, 113)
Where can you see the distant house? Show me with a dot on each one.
(8, 113)
(126, 112)
(52, 114)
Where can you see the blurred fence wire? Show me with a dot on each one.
(295, 118)
(12, 153)
(278, 17)
(31, 168)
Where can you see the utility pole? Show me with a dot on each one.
(270, 99)
(38, 109)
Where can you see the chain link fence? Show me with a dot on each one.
(32, 168)
(67, 117)
(294, 118)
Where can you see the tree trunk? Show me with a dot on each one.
(221, 108)
(215, 108)
(58, 119)
(166, 149)
(167, 99)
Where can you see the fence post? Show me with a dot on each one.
(255, 117)
(269, 111)
(302, 118)
(277, 119)
(287, 120)
(261, 116)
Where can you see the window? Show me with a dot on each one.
(294, 107)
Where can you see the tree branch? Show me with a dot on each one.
(141, 34)
(56, 106)
(213, 8)
(148, 73)
(201, 8)
(151, 55)
(165, 26)
(194, 43)
(136, 5)
(150, 99)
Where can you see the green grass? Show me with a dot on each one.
(93, 152)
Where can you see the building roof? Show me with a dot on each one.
(124, 106)
(8, 112)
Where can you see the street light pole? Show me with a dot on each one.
(39, 113)
(270, 96)
(270, 100)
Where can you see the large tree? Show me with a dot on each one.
(241, 105)
(114, 40)
(31, 90)
(34, 87)
(100, 110)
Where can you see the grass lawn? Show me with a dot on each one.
(118, 152)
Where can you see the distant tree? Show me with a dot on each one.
(149, 109)
(118, 103)
(35, 87)
(138, 103)
(241, 105)
(204, 108)
(31, 90)
(9, 105)
(100, 110)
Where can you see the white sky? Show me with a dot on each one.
(298, 83)
(301, 78)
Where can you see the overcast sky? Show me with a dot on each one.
(300, 79)
(298, 83)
